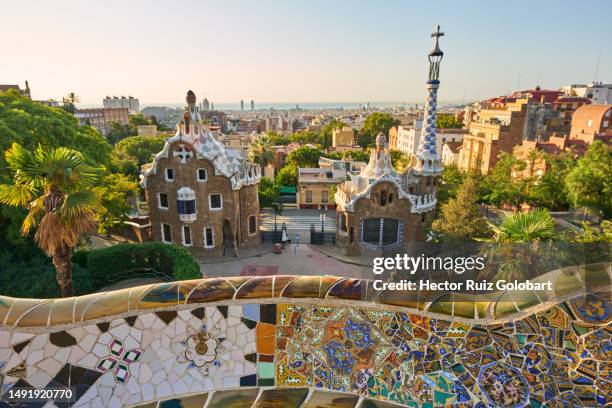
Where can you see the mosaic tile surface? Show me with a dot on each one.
(280, 353)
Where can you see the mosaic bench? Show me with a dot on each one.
(316, 341)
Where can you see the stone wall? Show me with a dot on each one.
(238, 205)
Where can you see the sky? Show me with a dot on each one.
(299, 51)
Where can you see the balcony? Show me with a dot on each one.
(187, 217)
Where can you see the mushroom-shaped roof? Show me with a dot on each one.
(381, 140)
(191, 98)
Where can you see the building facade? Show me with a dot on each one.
(383, 210)
(132, 104)
(101, 118)
(24, 92)
(596, 92)
(200, 193)
(590, 121)
(492, 130)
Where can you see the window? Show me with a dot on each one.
(202, 175)
(166, 232)
(383, 198)
(186, 235)
(309, 196)
(162, 201)
(380, 231)
(209, 241)
(324, 196)
(590, 123)
(252, 224)
(169, 174)
(342, 222)
(186, 204)
(390, 198)
(215, 201)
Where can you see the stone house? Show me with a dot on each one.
(201, 194)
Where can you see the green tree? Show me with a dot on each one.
(379, 122)
(305, 157)
(589, 184)
(117, 194)
(56, 186)
(447, 121)
(268, 192)
(452, 178)
(262, 152)
(360, 155)
(460, 217)
(287, 176)
(306, 137)
(32, 124)
(549, 190)
(501, 188)
(523, 245)
(134, 151)
(400, 160)
(117, 132)
(69, 102)
(277, 140)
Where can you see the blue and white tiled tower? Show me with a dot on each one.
(428, 161)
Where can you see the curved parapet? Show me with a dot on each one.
(310, 341)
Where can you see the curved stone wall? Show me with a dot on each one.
(289, 341)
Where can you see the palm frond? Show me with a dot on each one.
(22, 162)
(78, 203)
(17, 195)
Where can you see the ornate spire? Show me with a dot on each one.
(428, 161)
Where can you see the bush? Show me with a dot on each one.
(123, 261)
(35, 277)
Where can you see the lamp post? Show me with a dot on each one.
(323, 209)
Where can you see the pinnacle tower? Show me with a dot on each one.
(428, 161)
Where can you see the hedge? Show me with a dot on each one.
(124, 261)
(35, 277)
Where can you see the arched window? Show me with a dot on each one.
(390, 198)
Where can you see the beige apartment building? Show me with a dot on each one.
(316, 187)
(343, 140)
(492, 131)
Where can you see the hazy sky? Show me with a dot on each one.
(299, 51)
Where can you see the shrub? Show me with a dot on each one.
(35, 277)
(122, 261)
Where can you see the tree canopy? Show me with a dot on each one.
(374, 124)
(305, 157)
(589, 184)
(32, 124)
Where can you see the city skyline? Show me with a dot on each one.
(293, 54)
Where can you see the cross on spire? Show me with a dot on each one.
(438, 33)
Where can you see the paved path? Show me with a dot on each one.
(298, 220)
(294, 260)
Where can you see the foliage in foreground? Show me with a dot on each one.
(124, 261)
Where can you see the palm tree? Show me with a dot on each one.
(537, 225)
(56, 188)
(262, 152)
(524, 244)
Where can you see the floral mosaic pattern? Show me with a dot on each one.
(301, 351)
